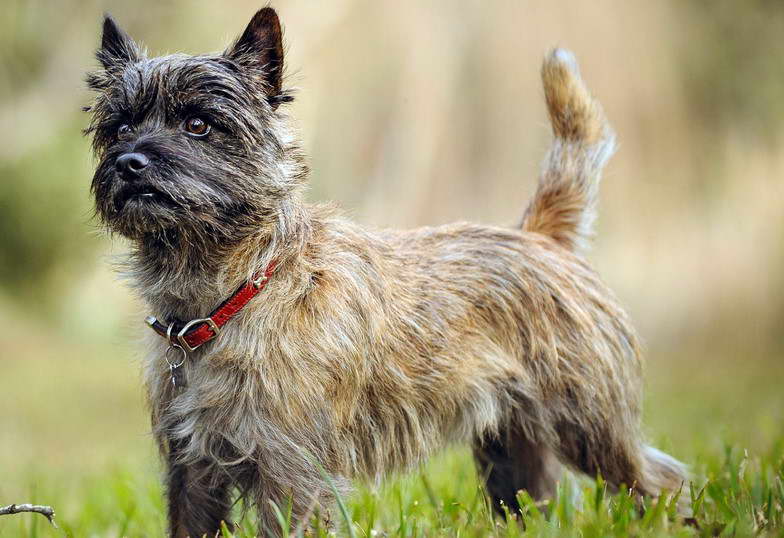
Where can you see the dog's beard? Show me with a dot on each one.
(168, 201)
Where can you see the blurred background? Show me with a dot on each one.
(418, 113)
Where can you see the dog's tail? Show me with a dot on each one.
(564, 206)
(663, 473)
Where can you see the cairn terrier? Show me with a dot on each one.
(339, 352)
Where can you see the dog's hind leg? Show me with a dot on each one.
(621, 459)
(510, 462)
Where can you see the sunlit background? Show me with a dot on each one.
(418, 113)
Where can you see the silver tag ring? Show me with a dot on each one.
(175, 364)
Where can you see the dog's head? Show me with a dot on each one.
(191, 145)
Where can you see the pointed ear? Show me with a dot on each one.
(261, 46)
(117, 48)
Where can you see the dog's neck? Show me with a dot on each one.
(185, 280)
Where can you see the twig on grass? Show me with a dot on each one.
(46, 511)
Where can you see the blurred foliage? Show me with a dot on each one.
(737, 82)
(43, 217)
(440, 118)
(44, 207)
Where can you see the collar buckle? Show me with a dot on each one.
(185, 328)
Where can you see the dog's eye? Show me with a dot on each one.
(124, 129)
(197, 127)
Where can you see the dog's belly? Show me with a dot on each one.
(410, 408)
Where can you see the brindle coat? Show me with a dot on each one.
(369, 350)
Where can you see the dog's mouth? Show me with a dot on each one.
(141, 193)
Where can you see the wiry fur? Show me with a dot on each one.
(368, 350)
(564, 206)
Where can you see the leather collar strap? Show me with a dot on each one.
(197, 332)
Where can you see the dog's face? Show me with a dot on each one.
(188, 145)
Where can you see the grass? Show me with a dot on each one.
(74, 435)
(742, 495)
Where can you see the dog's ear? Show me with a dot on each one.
(261, 46)
(117, 48)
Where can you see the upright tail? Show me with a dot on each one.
(564, 205)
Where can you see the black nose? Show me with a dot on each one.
(131, 165)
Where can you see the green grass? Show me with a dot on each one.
(741, 496)
(74, 436)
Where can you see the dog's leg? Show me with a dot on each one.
(511, 462)
(198, 497)
(620, 458)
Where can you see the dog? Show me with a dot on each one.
(295, 351)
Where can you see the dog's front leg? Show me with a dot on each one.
(305, 501)
(198, 496)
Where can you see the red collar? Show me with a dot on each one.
(197, 332)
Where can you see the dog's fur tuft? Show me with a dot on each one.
(368, 350)
(564, 205)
